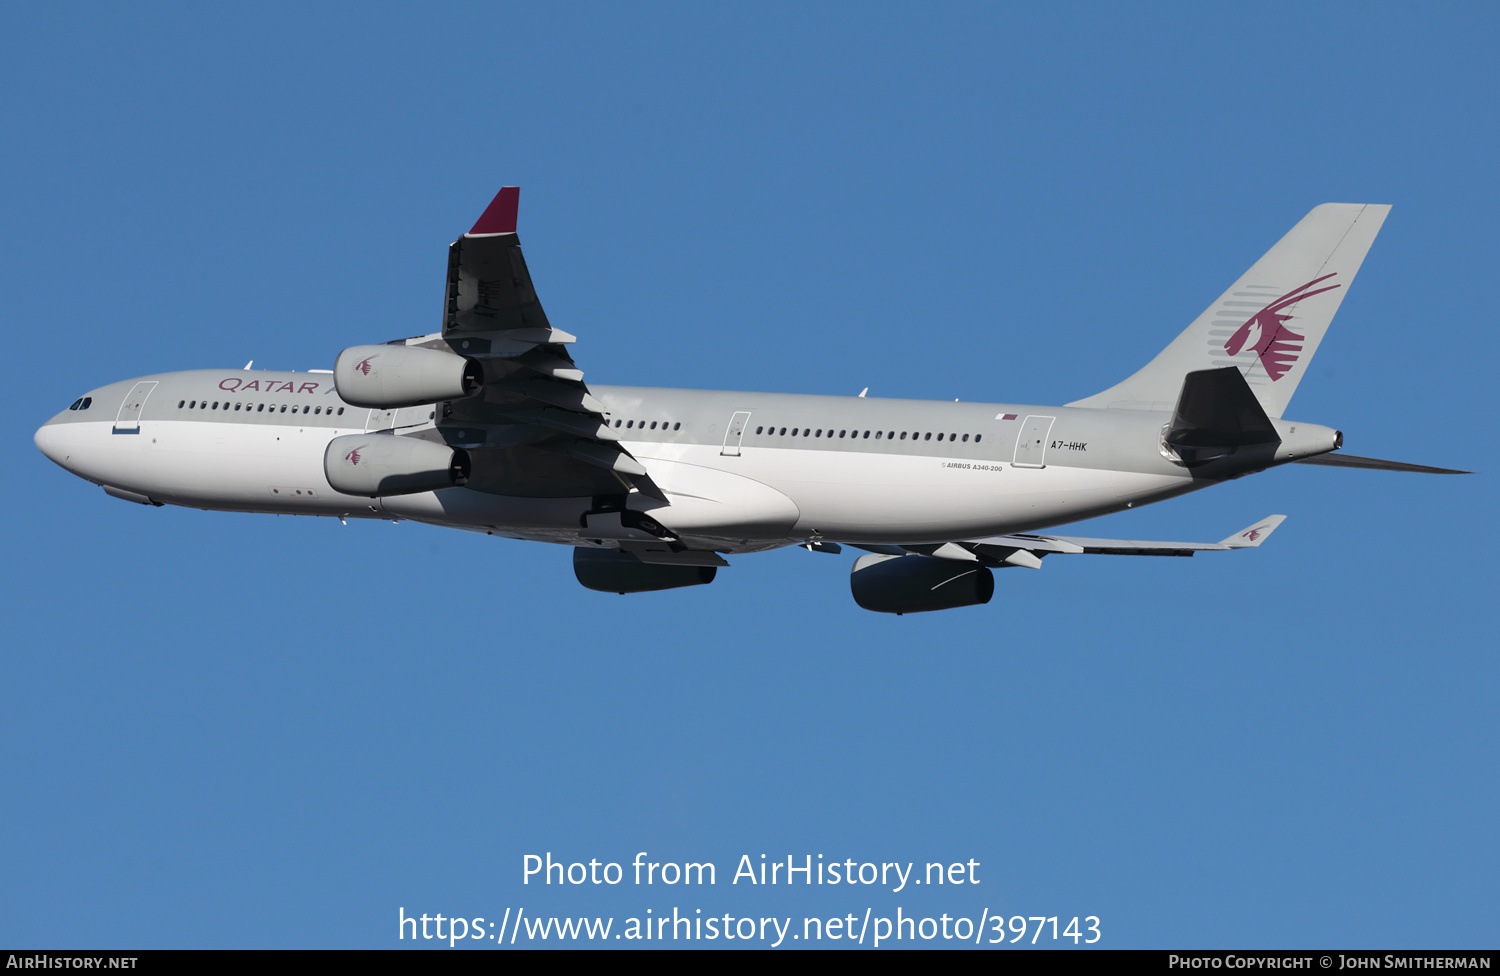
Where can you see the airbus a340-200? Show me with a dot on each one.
(489, 426)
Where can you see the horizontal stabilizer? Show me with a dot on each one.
(1374, 464)
(1217, 407)
(1217, 412)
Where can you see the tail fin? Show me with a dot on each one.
(1269, 323)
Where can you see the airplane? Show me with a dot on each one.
(488, 426)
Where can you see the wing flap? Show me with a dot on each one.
(663, 554)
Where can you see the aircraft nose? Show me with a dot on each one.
(48, 442)
(59, 440)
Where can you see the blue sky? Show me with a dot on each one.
(235, 730)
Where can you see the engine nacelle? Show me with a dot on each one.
(403, 376)
(913, 584)
(613, 571)
(385, 464)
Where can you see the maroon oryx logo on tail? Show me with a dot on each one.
(353, 456)
(1277, 346)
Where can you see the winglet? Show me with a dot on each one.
(500, 216)
(1254, 535)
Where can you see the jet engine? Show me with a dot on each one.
(387, 377)
(385, 464)
(613, 571)
(912, 584)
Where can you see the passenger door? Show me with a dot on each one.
(1031, 443)
(735, 433)
(128, 420)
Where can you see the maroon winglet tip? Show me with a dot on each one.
(500, 216)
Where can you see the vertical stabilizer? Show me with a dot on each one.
(1270, 322)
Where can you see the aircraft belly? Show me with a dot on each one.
(877, 498)
(708, 509)
(539, 519)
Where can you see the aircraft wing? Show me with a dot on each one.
(1027, 549)
(537, 431)
(1247, 538)
(490, 296)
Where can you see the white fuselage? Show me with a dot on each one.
(737, 474)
